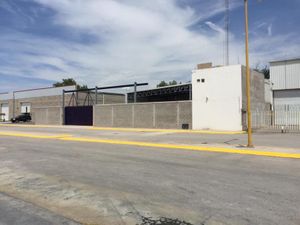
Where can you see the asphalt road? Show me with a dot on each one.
(92, 183)
(15, 211)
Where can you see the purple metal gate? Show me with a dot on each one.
(79, 115)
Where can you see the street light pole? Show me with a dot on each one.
(248, 92)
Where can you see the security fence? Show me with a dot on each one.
(277, 120)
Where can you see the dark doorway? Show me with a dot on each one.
(79, 115)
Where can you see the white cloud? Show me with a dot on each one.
(136, 41)
(270, 30)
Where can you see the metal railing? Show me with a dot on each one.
(283, 120)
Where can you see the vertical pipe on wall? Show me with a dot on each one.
(63, 107)
(154, 115)
(177, 115)
(76, 100)
(14, 101)
(134, 97)
(96, 94)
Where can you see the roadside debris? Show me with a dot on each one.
(163, 221)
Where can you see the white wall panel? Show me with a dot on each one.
(277, 76)
(25, 107)
(286, 97)
(285, 74)
(217, 98)
(292, 75)
(5, 110)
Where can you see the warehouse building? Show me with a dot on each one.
(45, 104)
(21, 101)
(215, 100)
(285, 76)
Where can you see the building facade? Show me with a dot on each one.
(285, 77)
(21, 101)
(48, 101)
(219, 97)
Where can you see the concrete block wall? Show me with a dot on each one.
(257, 93)
(36, 102)
(162, 115)
(257, 90)
(47, 115)
(41, 103)
(102, 98)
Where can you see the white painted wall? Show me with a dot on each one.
(25, 107)
(217, 102)
(5, 110)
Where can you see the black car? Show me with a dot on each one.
(24, 117)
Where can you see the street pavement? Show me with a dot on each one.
(15, 211)
(48, 181)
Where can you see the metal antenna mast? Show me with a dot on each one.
(226, 32)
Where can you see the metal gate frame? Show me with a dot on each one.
(88, 100)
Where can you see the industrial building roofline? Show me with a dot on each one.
(37, 89)
(285, 60)
(37, 92)
(108, 87)
(169, 86)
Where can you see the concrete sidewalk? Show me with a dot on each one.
(233, 143)
(264, 139)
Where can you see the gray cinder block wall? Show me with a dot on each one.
(257, 94)
(47, 115)
(35, 103)
(257, 90)
(47, 109)
(164, 115)
(102, 98)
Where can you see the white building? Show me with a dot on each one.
(219, 97)
(285, 76)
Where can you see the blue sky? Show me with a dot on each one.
(107, 42)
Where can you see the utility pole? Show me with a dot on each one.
(248, 92)
(226, 32)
